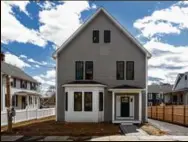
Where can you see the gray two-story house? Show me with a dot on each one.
(101, 74)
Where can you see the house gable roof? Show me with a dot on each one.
(54, 55)
(178, 78)
(15, 72)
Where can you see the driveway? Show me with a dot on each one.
(171, 129)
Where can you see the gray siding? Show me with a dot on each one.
(107, 106)
(104, 57)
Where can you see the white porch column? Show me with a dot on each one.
(27, 100)
(113, 106)
(140, 106)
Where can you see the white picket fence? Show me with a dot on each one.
(27, 114)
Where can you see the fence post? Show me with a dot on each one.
(172, 113)
(36, 113)
(151, 111)
(156, 112)
(163, 113)
(184, 115)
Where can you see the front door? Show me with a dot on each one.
(124, 106)
(23, 102)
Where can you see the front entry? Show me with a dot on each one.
(23, 102)
(124, 106)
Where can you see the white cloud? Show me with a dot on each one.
(167, 60)
(33, 61)
(23, 56)
(21, 4)
(37, 66)
(13, 30)
(93, 6)
(39, 79)
(60, 22)
(164, 21)
(14, 60)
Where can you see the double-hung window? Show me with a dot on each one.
(130, 70)
(79, 70)
(120, 70)
(88, 70)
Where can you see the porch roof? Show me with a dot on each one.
(25, 93)
(177, 91)
(124, 86)
(84, 82)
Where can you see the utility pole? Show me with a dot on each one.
(9, 117)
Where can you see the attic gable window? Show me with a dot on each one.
(107, 36)
(95, 36)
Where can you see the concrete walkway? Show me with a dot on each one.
(171, 129)
(102, 138)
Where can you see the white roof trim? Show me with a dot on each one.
(54, 55)
(83, 85)
(126, 90)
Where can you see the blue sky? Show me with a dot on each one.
(32, 31)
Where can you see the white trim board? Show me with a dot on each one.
(148, 54)
(83, 85)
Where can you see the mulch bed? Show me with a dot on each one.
(52, 128)
(151, 130)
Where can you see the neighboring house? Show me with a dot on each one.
(101, 74)
(48, 100)
(155, 93)
(23, 89)
(179, 93)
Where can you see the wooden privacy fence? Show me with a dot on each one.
(175, 114)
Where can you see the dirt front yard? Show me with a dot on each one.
(50, 127)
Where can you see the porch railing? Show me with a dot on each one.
(27, 114)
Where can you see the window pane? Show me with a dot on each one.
(66, 101)
(130, 70)
(106, 36)
(87, 101)
(95, 36)
(77, 101)
(79, 70)
(100, 101)
(89, 70)
(120, 70)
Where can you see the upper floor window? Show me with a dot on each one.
(88, 70)
(185, 77)
(130, 70)
(79, 70)
(23, 84)
(13, 83)
(95, 36)
(32, 86)
(107, 36)
(120, 70)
